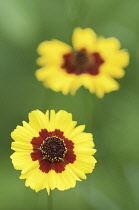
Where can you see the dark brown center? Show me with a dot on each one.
(53, 149)
(80, 62)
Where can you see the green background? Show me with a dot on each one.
(113, 120)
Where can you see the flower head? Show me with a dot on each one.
(93, 63)
(51, 152)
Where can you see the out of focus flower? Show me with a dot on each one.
(94, 62)
(51, 152)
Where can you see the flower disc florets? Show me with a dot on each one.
(81, 62)
(53, 149)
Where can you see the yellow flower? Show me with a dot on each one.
(93, 63)
(51, 152)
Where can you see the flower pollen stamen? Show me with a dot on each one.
(53, 149)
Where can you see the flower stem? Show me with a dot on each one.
(49, 202)
(89, 107)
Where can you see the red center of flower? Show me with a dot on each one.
(80, 62)
(53, 149)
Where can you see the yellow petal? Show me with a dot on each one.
(52, 120)
(22, 160)
(84, 151)
(37, 180)
(64, 122)
(103, 84)
(41, 74)
(107, 45)
(19, 146)
(84, 38)
(65, 180)
(77, 171)
(23, 134)
(38, 121)
(52, 52)
(113, 70)
(109, 50)
(121, 58)
(83, 140)
(77, 130)
(84, 163)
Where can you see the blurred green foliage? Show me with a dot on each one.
(113, 120)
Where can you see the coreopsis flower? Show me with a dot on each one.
(51, 151)
(93, 62)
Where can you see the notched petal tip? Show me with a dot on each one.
(41, 47)
(83, 38)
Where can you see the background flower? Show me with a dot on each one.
(52, 153)
(92, 63)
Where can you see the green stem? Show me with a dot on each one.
(89, 107)
(50, 202)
